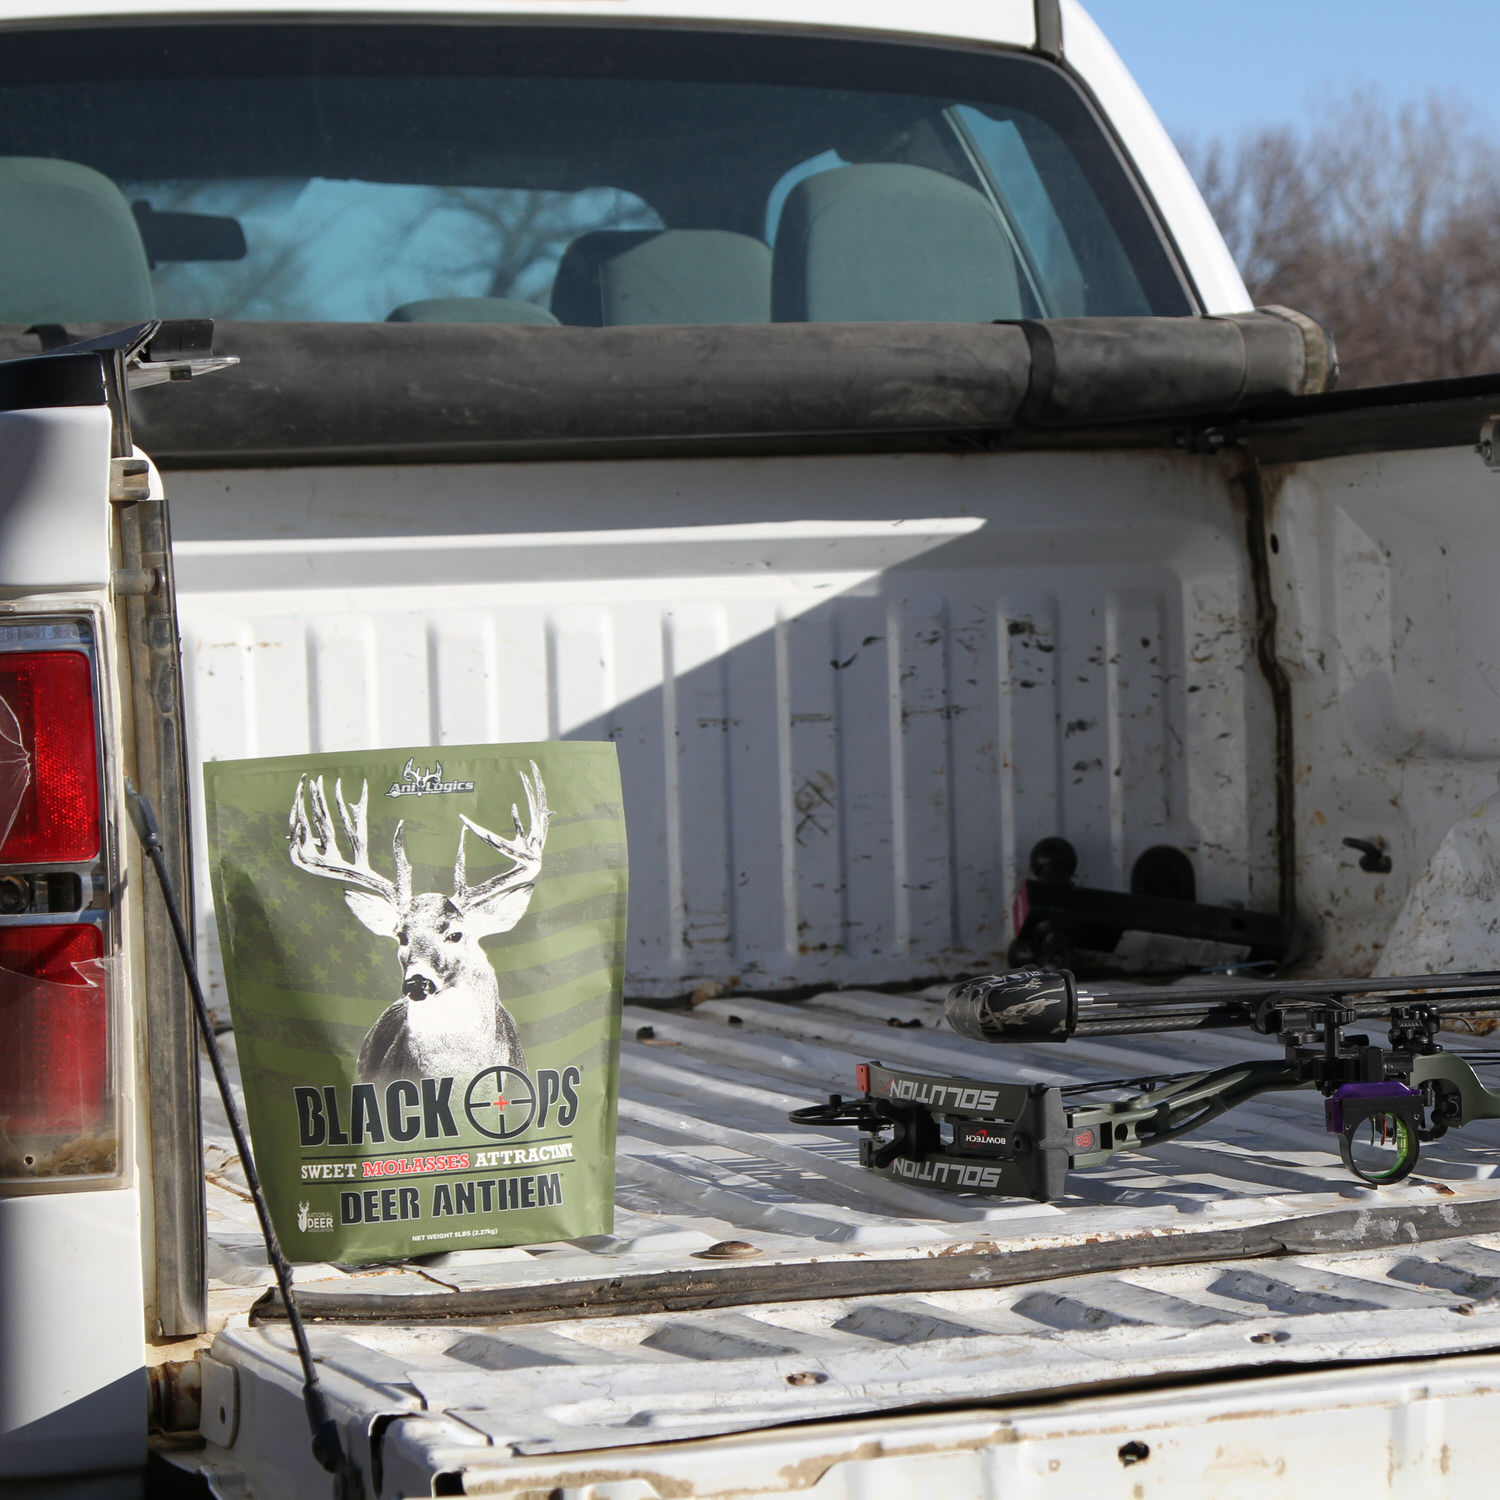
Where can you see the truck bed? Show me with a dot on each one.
(849, 693)
(1245, 1247)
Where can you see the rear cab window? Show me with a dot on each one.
(578, 175)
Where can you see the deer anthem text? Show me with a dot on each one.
(486, 1195)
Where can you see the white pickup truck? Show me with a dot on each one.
(852, 412)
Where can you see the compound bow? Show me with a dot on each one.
(1021, 1140)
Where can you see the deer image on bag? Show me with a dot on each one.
(448, 1020)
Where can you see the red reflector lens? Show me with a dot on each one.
(54, 1056)
(51, 694)
(1020, 909)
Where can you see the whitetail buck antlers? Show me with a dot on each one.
(449, 1019)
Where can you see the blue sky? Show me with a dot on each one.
(1219, 67)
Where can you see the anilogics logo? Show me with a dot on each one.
(415, 782)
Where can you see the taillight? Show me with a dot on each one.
(49, 765)
(57, 1095)
(59, 1102)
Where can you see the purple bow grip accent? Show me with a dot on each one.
(1333, 1105)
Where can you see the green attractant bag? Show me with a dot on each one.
(424, 972)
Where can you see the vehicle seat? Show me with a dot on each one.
(470, 310)
(70, 249)
(615, 276)
(883, 243)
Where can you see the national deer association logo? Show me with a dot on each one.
(310, 1221)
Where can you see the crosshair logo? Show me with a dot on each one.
(500, 1102)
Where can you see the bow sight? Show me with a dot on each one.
(1020, 1140)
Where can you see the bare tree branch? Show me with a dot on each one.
(1380, 222)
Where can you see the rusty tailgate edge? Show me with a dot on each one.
(1345, 1230)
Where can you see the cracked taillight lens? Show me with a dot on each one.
(57, 1094)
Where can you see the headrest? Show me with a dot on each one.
(883, 243)
(70, 250)
(615, 277)
(470, 310)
